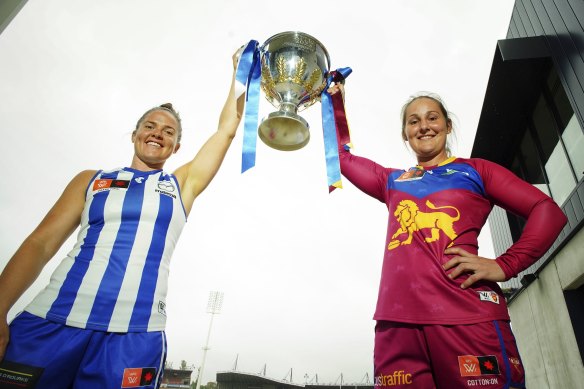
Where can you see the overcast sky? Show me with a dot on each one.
(299, 267)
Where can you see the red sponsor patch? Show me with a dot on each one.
(131, 378)
(103, 184)
(472, 366)
(136, 377)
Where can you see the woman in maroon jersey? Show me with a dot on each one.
(442, 320)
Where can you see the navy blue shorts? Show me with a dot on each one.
(58, 356)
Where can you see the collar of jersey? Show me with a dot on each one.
(142, 172)
(445, 162)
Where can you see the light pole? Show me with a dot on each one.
(214, 308)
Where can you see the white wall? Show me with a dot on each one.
(542, 325)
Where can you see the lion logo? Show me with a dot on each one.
(411, 219)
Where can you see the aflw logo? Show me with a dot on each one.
(136, 377)
(471, 365)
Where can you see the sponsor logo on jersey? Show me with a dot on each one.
(411, 220)
(398, 377)
(411, 175)
(165, 188)
(108, 184)
(516, 362)
(483, 381)
(471, 365)
(17, 375)
(489, 295)
(136, 377)
(452, 171)
(162, 308)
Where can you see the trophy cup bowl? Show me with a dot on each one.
(294, 67)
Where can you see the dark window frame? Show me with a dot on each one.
(517, 223)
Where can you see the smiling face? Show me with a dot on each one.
(155, 140)
(426, 127)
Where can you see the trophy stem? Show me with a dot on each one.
(288, 107)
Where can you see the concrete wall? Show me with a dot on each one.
(542, 325)
(570, 263)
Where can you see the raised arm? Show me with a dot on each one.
(194, 176)
(39, 247)
(365, 174)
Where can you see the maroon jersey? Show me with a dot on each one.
(433, 208)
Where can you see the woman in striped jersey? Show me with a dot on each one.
(100, 321)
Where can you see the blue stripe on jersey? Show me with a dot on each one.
(145, 298)
(63, 304)
(449, 176)
(113, 277)
(504, 355)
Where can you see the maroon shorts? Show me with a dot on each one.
(482, 355)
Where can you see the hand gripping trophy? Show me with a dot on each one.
(292, 69)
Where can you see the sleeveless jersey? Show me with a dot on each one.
(431, 209)
(115, 277)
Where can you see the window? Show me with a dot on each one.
(550, 155)
(574, 142)
(561, 181)
(571, 157)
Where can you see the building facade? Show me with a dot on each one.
(176, 378)
(240, 380)
(8, 10)
(532, 122)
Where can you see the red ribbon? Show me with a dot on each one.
(341, 123)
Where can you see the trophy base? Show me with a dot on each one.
(284, 131)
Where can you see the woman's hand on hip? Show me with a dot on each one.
(479, 268)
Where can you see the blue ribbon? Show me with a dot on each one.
(333, 167)
(248, 73)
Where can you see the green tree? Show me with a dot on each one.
(210, 385)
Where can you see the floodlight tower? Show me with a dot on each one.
(214, 308)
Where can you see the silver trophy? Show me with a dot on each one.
(294, 71)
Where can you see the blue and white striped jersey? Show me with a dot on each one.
(115, 278)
